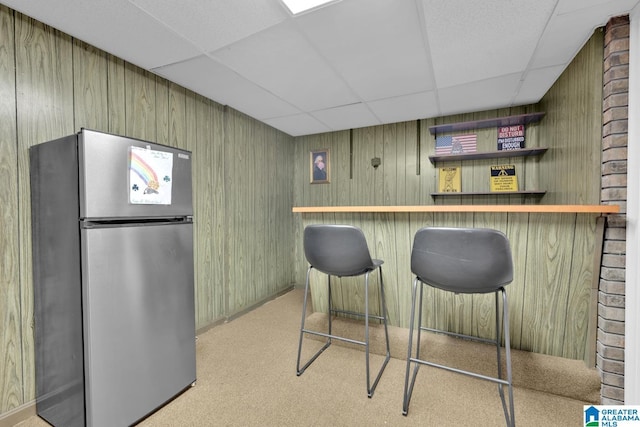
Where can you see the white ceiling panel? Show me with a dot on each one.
(285, 64)
(209, 78)
(572, 6)
(346, 117)
(534, 80)
(562, 40)
(497, 39)
(477, 96)
(297, 125)
(211, 25)
(348, 64)
(116, 26)
(407, 107)
(387, 37)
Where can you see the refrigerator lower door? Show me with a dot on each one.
(139, 321)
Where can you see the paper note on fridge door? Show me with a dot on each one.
(150, 176)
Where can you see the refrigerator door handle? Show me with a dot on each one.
(133, 222)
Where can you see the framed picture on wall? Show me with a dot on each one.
(319, 166)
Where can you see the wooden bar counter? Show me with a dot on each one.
(601, 209)
(557, 255)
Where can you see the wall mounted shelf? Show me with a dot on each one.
(487, 155)
(492, 193)
(519, 119)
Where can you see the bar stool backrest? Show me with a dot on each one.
(462, 260)
(337, 250)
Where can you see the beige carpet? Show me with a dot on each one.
(246, 377)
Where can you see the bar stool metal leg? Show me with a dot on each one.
(385, 314)
(408, 385)
(329, 336)
(300, 370)
(509, 414)
(371, 389)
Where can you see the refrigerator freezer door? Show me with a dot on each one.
(138, 300)
(105, 175)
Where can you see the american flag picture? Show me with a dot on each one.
(456, 144)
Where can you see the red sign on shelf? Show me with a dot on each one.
(511, 137)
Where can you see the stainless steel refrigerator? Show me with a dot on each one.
(112, 232)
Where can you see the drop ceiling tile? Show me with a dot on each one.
(346, 117)
(205, 76)
(620, 6)
(402, 108)
(211, 25)
(477, 96)
(567, 33)
(115, 26)
(536, 83)
(375, 45)
(297, 125)
(285, 64)
(473, 41)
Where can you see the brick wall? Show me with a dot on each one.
(610, 340)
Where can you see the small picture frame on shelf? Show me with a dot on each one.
(320, 166)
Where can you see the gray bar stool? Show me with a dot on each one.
(467, 261)
(342, 251)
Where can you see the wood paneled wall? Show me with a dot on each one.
(51, 85)
(553, 253)
(573, 122)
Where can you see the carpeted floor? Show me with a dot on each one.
(246, 377)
